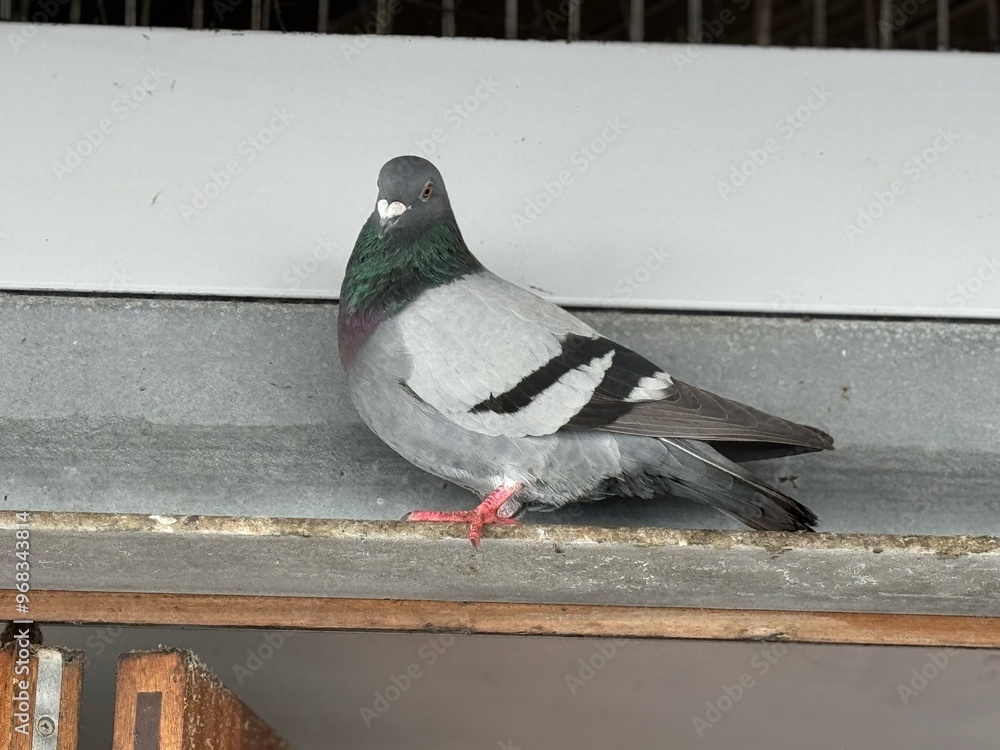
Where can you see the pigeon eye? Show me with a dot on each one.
(426, 192)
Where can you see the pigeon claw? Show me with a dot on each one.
(483, 515)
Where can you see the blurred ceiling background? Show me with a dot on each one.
(965, 25)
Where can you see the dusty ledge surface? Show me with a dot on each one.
(528, 564)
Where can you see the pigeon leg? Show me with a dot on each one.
(485, 513)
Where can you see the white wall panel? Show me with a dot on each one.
(645, 222)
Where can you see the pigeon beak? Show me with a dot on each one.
(389, 211)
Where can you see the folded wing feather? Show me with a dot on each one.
(499, 360)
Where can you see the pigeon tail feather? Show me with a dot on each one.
(736, 492)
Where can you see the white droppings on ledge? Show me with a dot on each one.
(164, 520)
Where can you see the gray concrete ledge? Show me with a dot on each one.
(530, 563)
(238, 408)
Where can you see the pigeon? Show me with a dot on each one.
(488, 386)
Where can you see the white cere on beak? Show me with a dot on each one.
(388, 210)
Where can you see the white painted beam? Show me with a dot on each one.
(719, 178)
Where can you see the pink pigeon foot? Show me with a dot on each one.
(485, 513)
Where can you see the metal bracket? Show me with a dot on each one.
(48, 700)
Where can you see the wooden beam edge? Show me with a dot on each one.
(494, 618)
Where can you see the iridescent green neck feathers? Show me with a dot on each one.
(389, 270)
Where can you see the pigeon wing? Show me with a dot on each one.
(498, 360)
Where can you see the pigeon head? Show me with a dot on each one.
(411, 196)
(409, 244)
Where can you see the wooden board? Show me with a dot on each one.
(18, 677)
(512, 619)
(169, 700)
